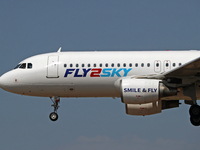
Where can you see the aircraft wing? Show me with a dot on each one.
(192, 68)
(187, 70)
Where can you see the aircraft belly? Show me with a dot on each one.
(66, 90)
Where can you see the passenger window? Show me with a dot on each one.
(148, 65)
(124, 64)
(65, 65)
(174, 65)
(100, 65)
(130, 65)
(180, 64)
(106, 65)
(23, 66)
(136, 65)
(118, 65)
(112, 65)
(142, 65)
(88, 65)
(83, 65)
(95, 65)
(71, 65)
(30, 66)
(76, 65)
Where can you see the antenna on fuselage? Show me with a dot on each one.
(59, 50)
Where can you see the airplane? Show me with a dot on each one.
(147, 81)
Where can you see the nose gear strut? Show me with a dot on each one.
(54, 116)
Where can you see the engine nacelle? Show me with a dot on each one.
(144, 109)
(141, 91)
(150, 108)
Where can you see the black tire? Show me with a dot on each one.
(195, 111)
(53, 116)
(195, 121)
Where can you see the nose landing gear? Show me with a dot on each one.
(54, 116)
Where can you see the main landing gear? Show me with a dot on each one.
(54, 116)
(195, 108)
(195, 114)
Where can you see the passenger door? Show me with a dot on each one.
(52, 67)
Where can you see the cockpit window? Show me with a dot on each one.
(23, 66)
(30, 65)
(17, 66)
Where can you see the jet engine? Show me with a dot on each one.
(150, 108)
(144, 109)
(141, 91)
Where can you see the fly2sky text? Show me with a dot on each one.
(98, 72)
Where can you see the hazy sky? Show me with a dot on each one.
(33, 27)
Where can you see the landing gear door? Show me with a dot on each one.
(52, 67)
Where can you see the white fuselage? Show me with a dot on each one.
(89, 74)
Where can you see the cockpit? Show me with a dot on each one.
(24, 66)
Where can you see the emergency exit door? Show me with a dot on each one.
(52, 67)
(167, 65)
(157, 66)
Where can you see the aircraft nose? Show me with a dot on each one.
(5, 81)
(2, 82)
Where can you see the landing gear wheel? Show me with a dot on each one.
(53, 116)
(195, 111)
(195, 121)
